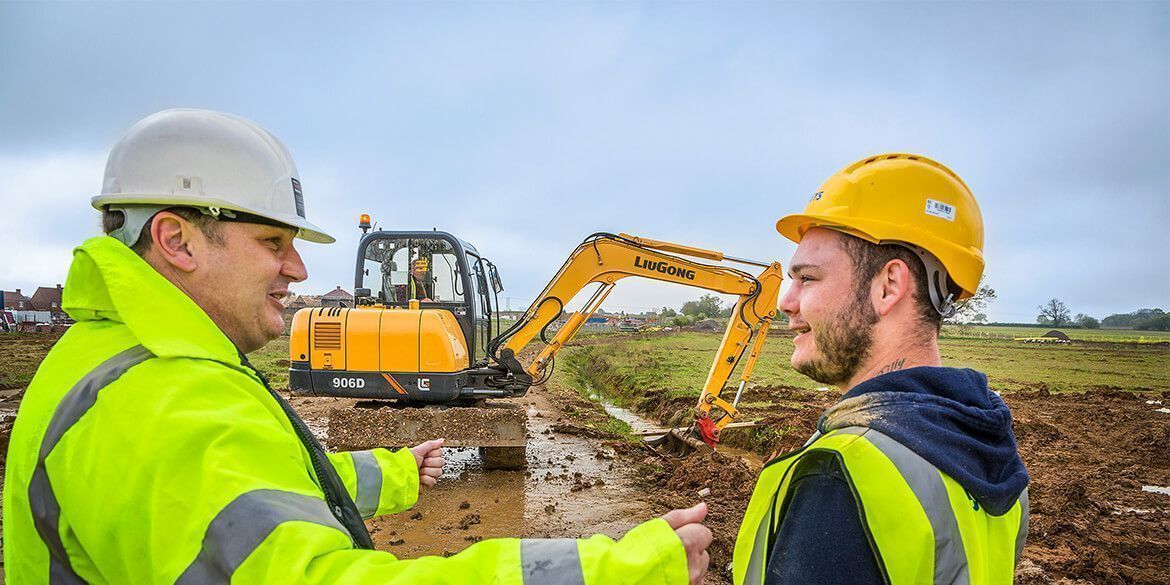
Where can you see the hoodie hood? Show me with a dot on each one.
(949, 417)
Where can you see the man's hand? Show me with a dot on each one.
(429, 458)
(687, 524)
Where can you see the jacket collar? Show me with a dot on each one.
(108, 281)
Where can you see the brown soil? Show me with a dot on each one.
(1089, 456)
(385, 425)
(730, 482)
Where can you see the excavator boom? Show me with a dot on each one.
(604, 259)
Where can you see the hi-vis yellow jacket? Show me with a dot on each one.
(147, 451)
(921, 524)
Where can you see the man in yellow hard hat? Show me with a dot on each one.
(421, 286)
(913, 476)
(148, 450)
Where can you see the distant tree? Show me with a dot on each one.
(1159, 323)
(1086, 321)
(707, 305)
(1056, 313)
(971, 310)
(667, 312)
(1134, 319)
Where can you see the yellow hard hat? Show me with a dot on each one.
(421, 264)
(902, 198)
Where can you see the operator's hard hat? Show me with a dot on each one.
(420, 264)
(223, 165)
(903, 199)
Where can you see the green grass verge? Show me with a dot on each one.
(272, 361)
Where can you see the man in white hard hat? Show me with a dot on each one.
(147, 449)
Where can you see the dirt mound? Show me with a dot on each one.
(730, 482)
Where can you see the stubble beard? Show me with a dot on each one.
(843, 344)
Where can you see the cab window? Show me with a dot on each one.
(398, 270)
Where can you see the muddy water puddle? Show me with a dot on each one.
(573, 487)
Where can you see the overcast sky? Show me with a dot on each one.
(524, 127)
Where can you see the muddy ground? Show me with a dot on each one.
(1090, 455)
(580, 481)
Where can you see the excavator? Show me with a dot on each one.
(426, 326)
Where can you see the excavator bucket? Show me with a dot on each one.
(677, 443)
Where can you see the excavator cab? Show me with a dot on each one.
(438, 271)
(426, 311)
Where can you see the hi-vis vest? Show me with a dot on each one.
(922, 525)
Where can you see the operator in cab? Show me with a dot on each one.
(422, 287)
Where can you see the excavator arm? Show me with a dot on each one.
(605, 259)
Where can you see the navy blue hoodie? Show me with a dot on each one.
(946, 415)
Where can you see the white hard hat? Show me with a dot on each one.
(225, 165)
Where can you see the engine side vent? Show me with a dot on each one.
(327, 336)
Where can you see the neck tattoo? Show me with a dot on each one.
(892, 366)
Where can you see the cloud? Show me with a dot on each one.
(523, 128)
(44, 214)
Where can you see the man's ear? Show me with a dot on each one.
(893, 283)
(174, 242)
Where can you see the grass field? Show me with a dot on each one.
(679, 362)
(272, 361)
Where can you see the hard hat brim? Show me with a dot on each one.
(305, 230)
(967, 263)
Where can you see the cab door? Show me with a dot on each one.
(481, 306)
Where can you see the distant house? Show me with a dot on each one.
(337, 298)
(16, 301)
(295, 302)
(49, 299)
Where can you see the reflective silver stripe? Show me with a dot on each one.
(754, 573)
(924, 479)
(1022, 535)
(46, 510)
(551, 561)
(369, 482)
(242, 525)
